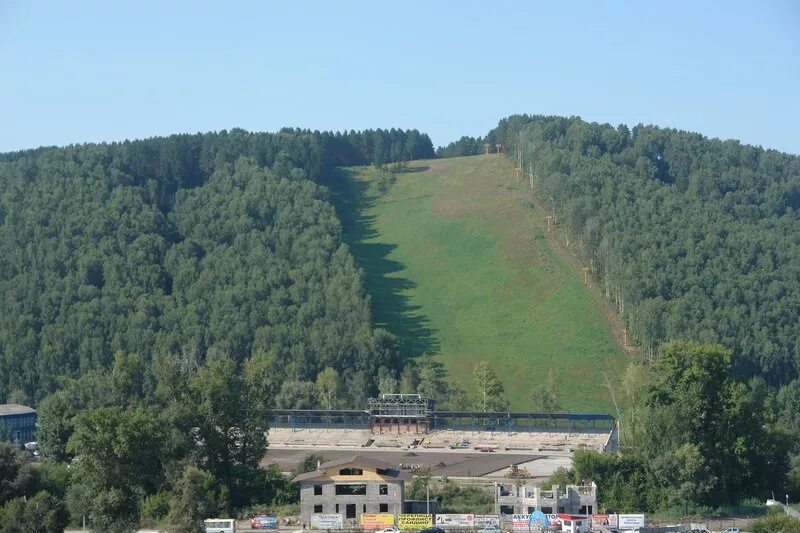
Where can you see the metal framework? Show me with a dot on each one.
(531, 422)
(400, 406)
(411, 413)
(319, 418)
(400, 413)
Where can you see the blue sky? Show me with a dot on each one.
(104, 71)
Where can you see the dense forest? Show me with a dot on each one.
(692, 238)
(193, 244)
(158, 298)
(462, 147)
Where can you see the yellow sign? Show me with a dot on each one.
(414, 521)
(376, 521)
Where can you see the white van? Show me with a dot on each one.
(220, 525)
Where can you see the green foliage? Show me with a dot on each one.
(420, 485)
(295, 394)
(687, 474)
(623, 482)
(452, 497)
(232, 412)
(546, 398)
(17, 478)
(54, 478)
(776, 523)
(57, 412)
(326, 388)
(455, 498)
(561, 477)
(160, 296)
(691, 238)
(491, 394)
(201, 244)
(278, 489)
(155, 507)
(464, 146)
(196, 497)
(43, 513)
(387, 384)
(705, 424)
(308, 464)
(117, 461)
(704, 440)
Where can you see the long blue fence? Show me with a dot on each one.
(455, 420)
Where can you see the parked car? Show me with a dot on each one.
(732, 530)
(433, 530)
(264, 521)
(490, 529)
(389, 529)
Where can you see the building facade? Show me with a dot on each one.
(527, 499)
(17, 423)
(351, 487)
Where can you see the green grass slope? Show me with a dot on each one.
(458, 265)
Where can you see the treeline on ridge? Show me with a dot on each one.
(204, 245)
(693, 238)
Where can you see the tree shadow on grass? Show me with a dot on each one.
(391, 308)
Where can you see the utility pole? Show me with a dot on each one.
(427, 498)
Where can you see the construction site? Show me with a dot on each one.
(406, 430)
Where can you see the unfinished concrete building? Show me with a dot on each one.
(351, 487)
(515, 498)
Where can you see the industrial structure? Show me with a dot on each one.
(351, 487)
(17, 423)
(411, 413)
(400, 413)
(513, 498)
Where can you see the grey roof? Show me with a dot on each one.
(358, 459)
(15, 409)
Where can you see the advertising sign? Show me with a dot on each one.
(455, 520)
(540, 520)
(631, 521)
(521, 522)
(326, 521)
(265, 521)
(487, 520)
(376, 521)
(414, 521)
(555, 520)
(605, 520)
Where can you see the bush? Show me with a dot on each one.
(155, 507)
(776, 523)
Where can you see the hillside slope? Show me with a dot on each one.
(458, 264)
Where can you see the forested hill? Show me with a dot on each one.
(199, 245)
(693, 238)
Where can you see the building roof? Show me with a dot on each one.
(391, 470)
(15, 409)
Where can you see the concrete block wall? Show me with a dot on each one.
(369, 503)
